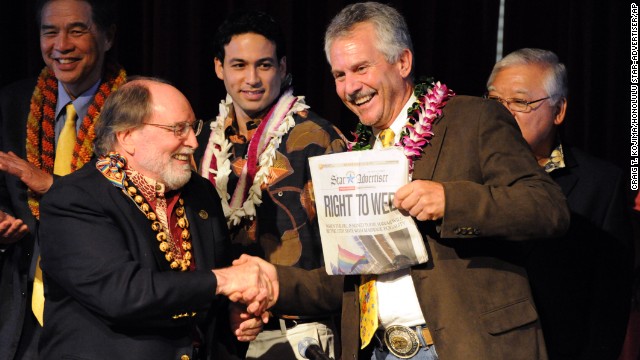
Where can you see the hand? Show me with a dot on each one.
(268, 270)
(35, 179)
(245, 283)
(11, 229)
(245, 326)
(422, 199)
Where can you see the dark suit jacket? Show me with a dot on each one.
(110, 294)
(581, 282)
(15, 262)
(475, 298)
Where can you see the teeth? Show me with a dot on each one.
(181, 157)
(362, 100)
(65, 61)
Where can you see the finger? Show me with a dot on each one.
(402, 193)
(245, 338)
(243, 259)
(24, 229)
(265, 317)
(410, 203)
(4, 227)
(252, 294)
(235, 296)
(257, 307)
(268, 287)
(245, 315)
(251, 324)
(13, 228)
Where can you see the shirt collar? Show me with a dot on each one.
(554, 161)
(397, 125)
(81, 103)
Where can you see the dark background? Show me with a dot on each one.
(455, 41)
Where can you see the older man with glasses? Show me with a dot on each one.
(581, 284)
(131, 240)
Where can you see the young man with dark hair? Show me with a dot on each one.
(257, 157)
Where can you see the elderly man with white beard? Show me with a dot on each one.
(130, 241)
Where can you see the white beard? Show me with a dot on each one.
(172, 176)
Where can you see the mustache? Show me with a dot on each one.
(360, 93)
(185, 150)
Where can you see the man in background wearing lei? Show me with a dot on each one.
(476, 193)
(581, 282)
(75, 37)
(256, 156)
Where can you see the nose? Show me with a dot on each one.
(191, 140)
(351, 84)
(62, 42)
(251, 76)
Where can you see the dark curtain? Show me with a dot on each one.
(171, 39)
(455, 41)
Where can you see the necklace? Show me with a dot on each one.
(41, 122)
(416, 134)
(112, 167)
(216, 165)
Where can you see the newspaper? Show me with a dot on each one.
(361, 231)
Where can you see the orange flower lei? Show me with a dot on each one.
(41, 124)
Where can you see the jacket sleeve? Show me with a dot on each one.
(308, 292)
(504, 193)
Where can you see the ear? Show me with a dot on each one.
(125, 141)
(282, 68)
(109, 36)
(561, 110)
(218, 67)
(404, 63)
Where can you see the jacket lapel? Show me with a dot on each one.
(425, 166)
(140, 224)
(566, 178)
(200, 226)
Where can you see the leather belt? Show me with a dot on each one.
(403, 341)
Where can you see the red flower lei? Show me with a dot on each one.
(40, 124)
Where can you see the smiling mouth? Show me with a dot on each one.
(181, 157)
(361, 97)
(363, 100)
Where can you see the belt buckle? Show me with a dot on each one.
(401, 341)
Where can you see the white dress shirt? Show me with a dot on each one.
(397, 299)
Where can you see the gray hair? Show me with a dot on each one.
(555, 83)
(391, 29)
(126, 108)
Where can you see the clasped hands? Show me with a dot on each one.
(252, 285)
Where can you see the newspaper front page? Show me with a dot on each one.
(362, 232)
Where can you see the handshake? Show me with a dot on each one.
(252, 285)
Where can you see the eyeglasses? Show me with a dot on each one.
(517, 105)
(181, 129)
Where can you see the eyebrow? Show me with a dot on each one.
(261, 60)
(69, 26)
